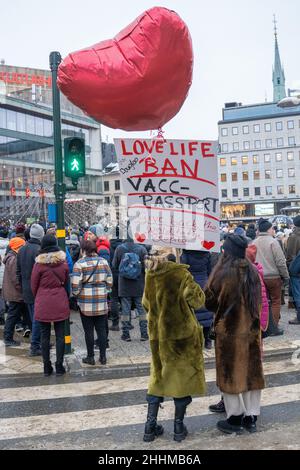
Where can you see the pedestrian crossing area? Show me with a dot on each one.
(110, 404)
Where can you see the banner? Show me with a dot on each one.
(172, 190)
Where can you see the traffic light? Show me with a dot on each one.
(13, 191)
(27, 193)
(74, 148)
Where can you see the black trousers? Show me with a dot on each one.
(15, 311)
(184, 401)
(114, 304)
(59, 328)
(99, 323)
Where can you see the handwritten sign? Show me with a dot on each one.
(172, 189)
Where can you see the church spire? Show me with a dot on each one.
(278, 73)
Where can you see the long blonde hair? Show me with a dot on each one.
(158, 256)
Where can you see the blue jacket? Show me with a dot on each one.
(200, 267)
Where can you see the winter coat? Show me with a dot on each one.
(49, 280)
(69, 260)
(74, 250)
(130, 287)
(92, 295)
(176, 338)
(293, 245)
(237, 345)
(25, 262)
(270, 256)
(200, 267)
(11, 289)
(3, 247)
(264, 314)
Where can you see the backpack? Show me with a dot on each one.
(130, 266)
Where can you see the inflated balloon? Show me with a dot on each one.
(136, 81)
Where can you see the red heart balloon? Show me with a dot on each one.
(207, 245)
(140, 237)
(136, 81)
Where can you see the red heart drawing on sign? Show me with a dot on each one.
(207, 245)
(140, 237)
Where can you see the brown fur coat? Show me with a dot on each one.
(238, 345)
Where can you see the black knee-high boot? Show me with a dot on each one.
(152, 429)
(180, 430)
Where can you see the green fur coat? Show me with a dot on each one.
(176, 339)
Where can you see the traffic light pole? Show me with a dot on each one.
(59, 186)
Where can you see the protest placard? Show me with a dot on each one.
(172, 190)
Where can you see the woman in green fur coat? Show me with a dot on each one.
(176, 339)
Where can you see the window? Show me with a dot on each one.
(257, 191)
(257, 144)
(279, 126)
(255, 159)
(235, 131)
(246, 145)
(30, 126)
(290, 124)
(235, 146)
(224, 131)
(2, 118)
(223, 177)
(245, 176)
(279, 173)
(11, 120)
(224, 147)
(291, 172)
(235, 192)
(269, 191)
(292, 189)
(21, 123)
(280, 189)
(256, 128)
(290, 156)
(246, 192)
(267, 174)
(39, 127)
(106, 199)
(267, 158)
(256, 175)
(117, 185)
(245, 129)
(223, 161)
(224, 192)
(233, 161)
(268, 143)
(267, 127)
(280, 142)
(234, 176)
(244, 160)
(106, 185)
(278, 157)
(291, 141)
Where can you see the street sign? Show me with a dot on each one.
(74, 156)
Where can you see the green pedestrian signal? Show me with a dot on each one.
(74, 157)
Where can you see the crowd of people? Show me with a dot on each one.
(184, 300)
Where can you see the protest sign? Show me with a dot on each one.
(172, 190)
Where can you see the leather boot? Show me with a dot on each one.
(60, 370)
(152, 429)
(180, 430)
(249, 423)
(231, 425)
(48, 369)
(143, 329)
(125, 331)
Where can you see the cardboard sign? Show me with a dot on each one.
(172, 189)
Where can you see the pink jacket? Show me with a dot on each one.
(264, 316)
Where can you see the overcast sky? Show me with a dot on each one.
(233, 45)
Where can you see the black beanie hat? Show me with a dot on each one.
(296, 221)
(264, 225)
(235, 246)
(49, 244)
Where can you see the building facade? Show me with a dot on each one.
(259, 160)
(26, 144)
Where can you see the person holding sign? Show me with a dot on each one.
(176, 339)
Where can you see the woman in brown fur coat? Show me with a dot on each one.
(233, 292)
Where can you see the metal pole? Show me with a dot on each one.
(59, 186)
